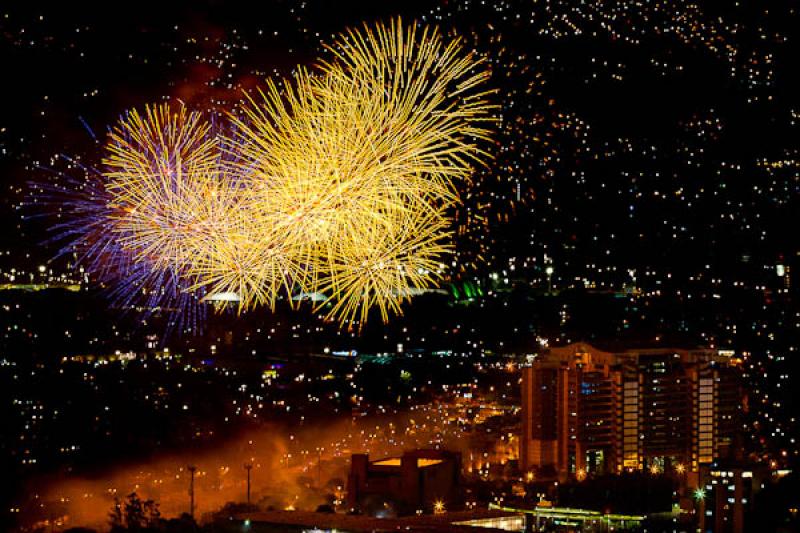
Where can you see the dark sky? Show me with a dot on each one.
(626, 114)
(73, 68)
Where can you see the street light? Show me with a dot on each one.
(549, 271)
(248, 467)
(192, 470)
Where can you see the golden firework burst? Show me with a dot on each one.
(339, 181)
(162, 172)
(385, 264)
(359, 163)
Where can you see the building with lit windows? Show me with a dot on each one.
(591, 410)
(726, 495)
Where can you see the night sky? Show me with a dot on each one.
(656, 136)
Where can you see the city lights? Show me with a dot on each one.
(346, 266)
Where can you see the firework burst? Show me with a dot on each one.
(340, 183)
(384, 264)
(360, 162)
(163, 176)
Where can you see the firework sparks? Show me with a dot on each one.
(341, 184)
(162, 174)
(361, 162)
(384, 265)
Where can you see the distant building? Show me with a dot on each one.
(726, 495)
(404, 485)
(587, 410)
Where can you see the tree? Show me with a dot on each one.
(152, 515)
(134, 515)
(115, 519)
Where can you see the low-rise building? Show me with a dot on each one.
(418, 481)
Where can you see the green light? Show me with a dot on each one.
(699, 494)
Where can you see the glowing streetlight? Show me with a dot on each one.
(438, 507)
(699, 494)
(549, 271)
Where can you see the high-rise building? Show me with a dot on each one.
(587, 410)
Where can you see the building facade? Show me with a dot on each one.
(587, 410)
(414, 482)
(727, 491)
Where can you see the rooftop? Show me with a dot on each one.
(397, 461)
